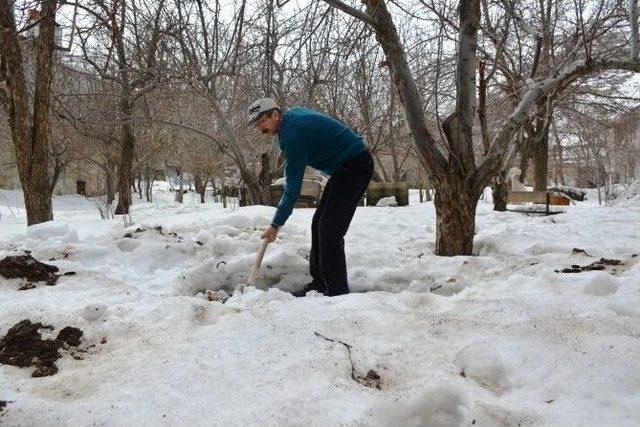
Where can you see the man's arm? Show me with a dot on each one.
(294, 173)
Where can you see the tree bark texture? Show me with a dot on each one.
(30, 132)
(201, 185)
(126, 153)
(455, 204)
(541, 162)
(500, 191)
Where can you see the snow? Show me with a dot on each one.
(500, 337)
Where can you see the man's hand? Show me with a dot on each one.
(270, 234)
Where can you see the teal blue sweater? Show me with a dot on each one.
(310, 138)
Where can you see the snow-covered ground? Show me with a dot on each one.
(496, 339)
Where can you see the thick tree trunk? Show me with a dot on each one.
(30, 131)
(124, 176)
(37, 201)
(499, 189)
(541, 163)
(126, 155)
(265, 177)
(455, 204)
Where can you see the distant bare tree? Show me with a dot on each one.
(123, 43)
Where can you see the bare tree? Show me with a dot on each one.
(457, 178)
(29, 117)
(123, 44)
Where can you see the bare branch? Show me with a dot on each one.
(358, 14)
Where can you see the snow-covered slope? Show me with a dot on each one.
(500, 338)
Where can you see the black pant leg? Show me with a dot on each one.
(347, 186)
(314, 255)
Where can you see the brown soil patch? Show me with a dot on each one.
(23, 346)
(27, 267)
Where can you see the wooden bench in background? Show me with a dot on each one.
(546, 198)
(378, 190)
(310, 194)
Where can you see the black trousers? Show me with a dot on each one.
(331, 222)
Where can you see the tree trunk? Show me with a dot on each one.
(126, 155)
(215, 190)
(58, 167)
(110, 181)
(30, 131)
(201, 185)
(525, 157)
(140, 185)
(455, 205)
(384, 177)
(499, 189)
(148, 184)
(180, 193)
(561, 165)
(541, 162)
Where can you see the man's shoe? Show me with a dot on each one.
(313, 286)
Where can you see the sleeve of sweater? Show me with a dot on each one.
(296, 162)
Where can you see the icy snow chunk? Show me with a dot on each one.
(255, 297)
(482, 363)
(601, 285)
(437, 406)
(52, 229)
(203, 236)
(222, 230)
(387, 201)
(547, 248)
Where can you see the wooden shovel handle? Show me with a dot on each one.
(256, 265)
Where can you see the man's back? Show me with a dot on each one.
(324, 142)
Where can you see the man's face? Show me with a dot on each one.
(268, 123)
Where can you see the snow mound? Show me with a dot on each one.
(629, 197)
(438, 406)
(52, 230)
(255, 297)
(483, 364)
(387, 201)
(601, 285)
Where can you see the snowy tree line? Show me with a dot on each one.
(463, 90)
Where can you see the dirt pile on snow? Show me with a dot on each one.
(27, 267)
(23, 346)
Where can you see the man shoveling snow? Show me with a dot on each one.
(310, 138)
